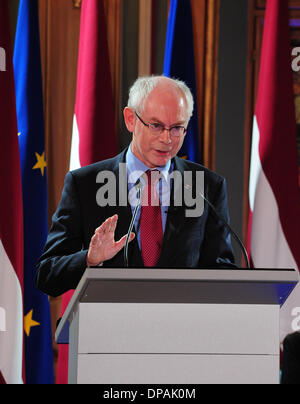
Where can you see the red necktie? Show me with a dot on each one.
(151, 222)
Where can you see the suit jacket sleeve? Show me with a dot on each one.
(63, 262)
(216, 248)
(291, 359)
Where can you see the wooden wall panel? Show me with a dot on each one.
(199, 29)
(206, 42)
(129, 60)
(113, 17)
(145, 37)
(59, 43)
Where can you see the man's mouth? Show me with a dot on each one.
(163, 152)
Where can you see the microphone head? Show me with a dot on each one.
(138, 185)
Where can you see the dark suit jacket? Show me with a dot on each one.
(291, 359)
(197, 242)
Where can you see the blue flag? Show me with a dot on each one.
(179, 63)
(28, 80)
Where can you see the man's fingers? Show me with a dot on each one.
(132, 236)
(107, 226)
(114, 223)
(111, 224)
(102, 245)
(120, 244)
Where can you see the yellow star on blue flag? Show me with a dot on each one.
(29, 322)
(41, 163)
(29, 102)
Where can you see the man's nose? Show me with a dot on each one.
(165, 136)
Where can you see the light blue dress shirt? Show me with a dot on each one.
(135, 169)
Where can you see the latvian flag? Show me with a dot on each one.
(274, 222)
(11, 221)
(94, 135)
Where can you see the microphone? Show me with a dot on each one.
(235, 236)
(138, 187)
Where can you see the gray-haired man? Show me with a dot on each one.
(84, 233)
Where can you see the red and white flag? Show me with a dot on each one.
(11, 220)
(274, 221)
(94, 135)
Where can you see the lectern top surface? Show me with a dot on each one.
(182, 286)
(193, 274)
(185, 286)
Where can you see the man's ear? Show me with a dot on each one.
(129, 118)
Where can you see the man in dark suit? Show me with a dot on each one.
(167, 235)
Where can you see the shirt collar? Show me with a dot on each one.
(135, 167)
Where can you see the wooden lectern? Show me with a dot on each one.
(163, 326)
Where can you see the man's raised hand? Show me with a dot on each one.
(103, 246)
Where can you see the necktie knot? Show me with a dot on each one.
(150, 194)
(152, 177)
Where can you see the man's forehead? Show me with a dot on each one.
(167, 88)
(166, 96)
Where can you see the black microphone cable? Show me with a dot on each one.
(235, 236)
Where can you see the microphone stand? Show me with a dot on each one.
(139, 197)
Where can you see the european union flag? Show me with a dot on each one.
(179, 63)
(28, 80)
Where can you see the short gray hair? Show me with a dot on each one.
(143, 86)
